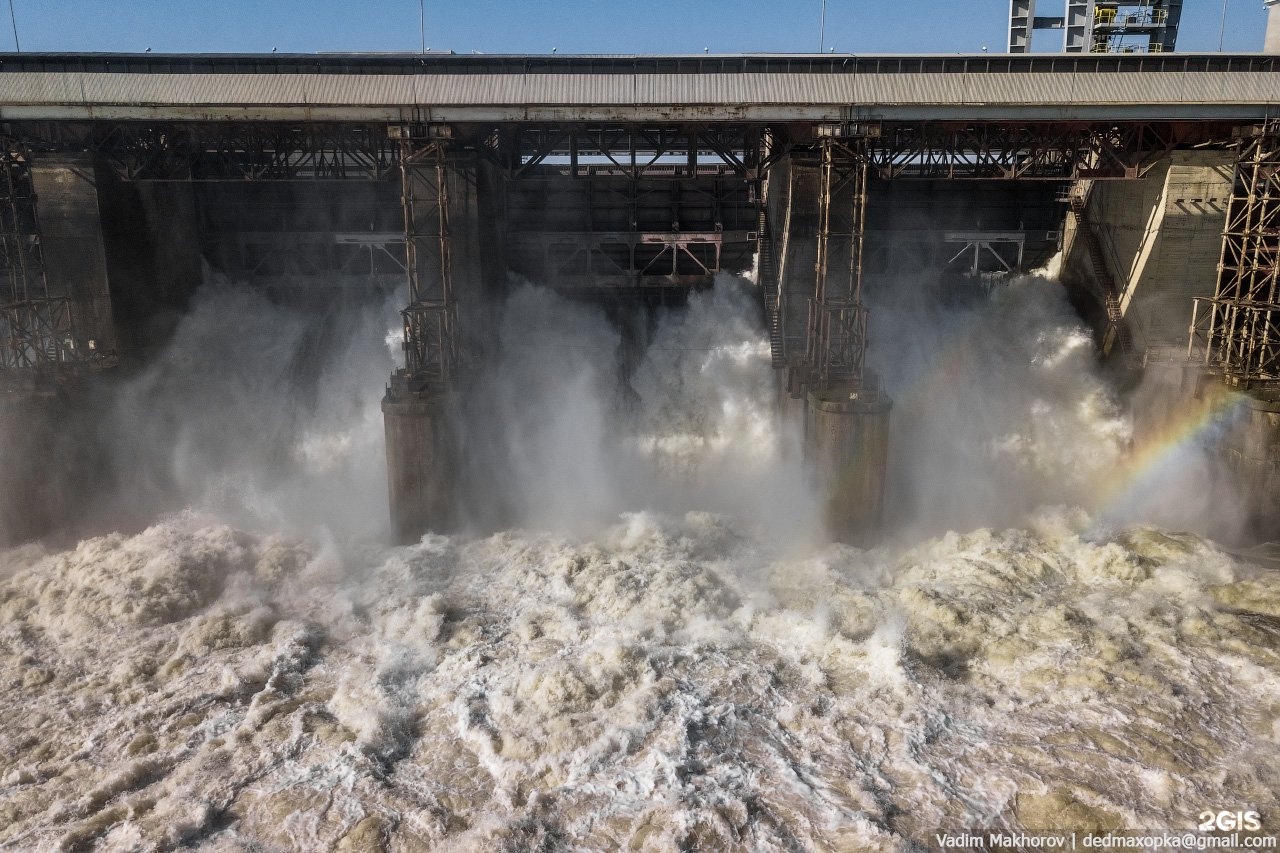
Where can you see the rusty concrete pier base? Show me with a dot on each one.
(847, 443)
(422, 462)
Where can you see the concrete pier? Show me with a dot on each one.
(422, 462)
(1241, 442)
(71, 237)
(847, 438)
(1250, 449)
(51, 464)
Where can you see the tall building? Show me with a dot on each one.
(1099, 26)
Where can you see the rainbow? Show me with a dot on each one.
(1158, 455)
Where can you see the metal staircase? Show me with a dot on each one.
(767, 272)
(1110, 296)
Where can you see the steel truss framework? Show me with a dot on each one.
(142, 150)
(286, 259)
(627, 258)
(632, 233)
(680, 152)
(1237, 332)
(836, 333)
(35, 328)
(1054, 151)
(431, 340)
(662, 205)
(220, 151)
(724, 162)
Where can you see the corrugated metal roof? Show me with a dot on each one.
(733, 92)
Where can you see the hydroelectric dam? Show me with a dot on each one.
(628, 181)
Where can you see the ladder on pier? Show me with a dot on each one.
(767, 274)
(1110, 295)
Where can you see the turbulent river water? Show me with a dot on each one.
(662, 654)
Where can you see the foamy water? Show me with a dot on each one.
(671, 684)
(683, 667)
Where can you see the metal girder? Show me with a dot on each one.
(1237, 332)
(309, 258)
(221, 151)
(631, 258)
(976, 243)
(1023, 151)
(633, 151)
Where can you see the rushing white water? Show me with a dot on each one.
(670, 670)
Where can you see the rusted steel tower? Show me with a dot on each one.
(1237, 331)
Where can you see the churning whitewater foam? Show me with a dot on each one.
(685, 676)
(671, 685)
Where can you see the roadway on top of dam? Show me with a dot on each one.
(548, 88)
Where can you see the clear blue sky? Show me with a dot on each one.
(571, 26)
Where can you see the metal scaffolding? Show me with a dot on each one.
(1237, 331)
(35, 328)
(836, 334)
(431, 340)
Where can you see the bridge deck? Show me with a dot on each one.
(547, 88)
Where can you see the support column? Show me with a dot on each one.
(846, 413)
(48, 461)
(847, 436)
(422, 460)
(1238, 330)
(37, 331)
(421, 408)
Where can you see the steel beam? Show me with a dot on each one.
(635, 151)
(1056, 151)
